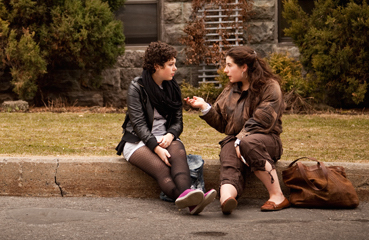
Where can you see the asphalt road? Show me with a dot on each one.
(133, 218)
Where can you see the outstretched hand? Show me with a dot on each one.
(196, 102)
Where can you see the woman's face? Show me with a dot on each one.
(167, 71)
(234, 72)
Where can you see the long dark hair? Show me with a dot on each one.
(258, 71)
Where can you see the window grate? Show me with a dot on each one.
(226, 20)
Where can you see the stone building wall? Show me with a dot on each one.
(261, 35)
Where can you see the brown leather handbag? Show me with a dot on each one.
(319, 186)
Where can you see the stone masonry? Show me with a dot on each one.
(68, 85)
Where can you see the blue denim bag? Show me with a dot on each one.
(196, 165)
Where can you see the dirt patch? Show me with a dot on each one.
(95, 109)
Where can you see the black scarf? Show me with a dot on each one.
(166, 100)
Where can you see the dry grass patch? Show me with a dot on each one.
(327, 137)
(46, 133)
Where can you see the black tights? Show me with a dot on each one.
(172, 180)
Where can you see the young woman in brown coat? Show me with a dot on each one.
(249, 111)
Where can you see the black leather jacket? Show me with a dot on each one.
(140, 117)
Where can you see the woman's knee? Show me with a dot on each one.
(250, 142)
(177, 149)
(258, 150)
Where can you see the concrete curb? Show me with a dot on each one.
(115, 177)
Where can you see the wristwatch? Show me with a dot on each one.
(237, 142)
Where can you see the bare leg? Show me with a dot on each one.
(227, 191)
(274, 189)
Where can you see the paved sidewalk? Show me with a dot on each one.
(90, 218)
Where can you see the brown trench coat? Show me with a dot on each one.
(231, 115)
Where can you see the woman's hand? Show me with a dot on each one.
(238, 152)
(166, 140)
(240, 156)
(161, 150)
(196, 102)
(163, 154)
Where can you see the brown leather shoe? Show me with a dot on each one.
(271, 206)
(229, 205)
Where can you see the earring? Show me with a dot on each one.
(242, 73)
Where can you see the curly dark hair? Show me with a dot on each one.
(158, 53)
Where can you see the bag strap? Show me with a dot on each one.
(312, 185)
(311, 158)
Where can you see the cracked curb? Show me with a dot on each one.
(56, 181)
(28, 177)
(115, 177)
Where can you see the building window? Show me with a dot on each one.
(306, 5)
(140, 21)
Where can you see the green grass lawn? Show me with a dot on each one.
(327, 137)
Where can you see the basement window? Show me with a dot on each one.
(140, 21)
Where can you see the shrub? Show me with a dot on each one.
(39, 37)
(27, 63)
(297, 89)
(289, 69)
(333, 42)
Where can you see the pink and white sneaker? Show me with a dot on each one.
(190, 197)
(208, 198)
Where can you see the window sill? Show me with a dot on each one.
(135, 47)
(287, 44)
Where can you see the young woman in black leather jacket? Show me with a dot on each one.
(152, 126)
